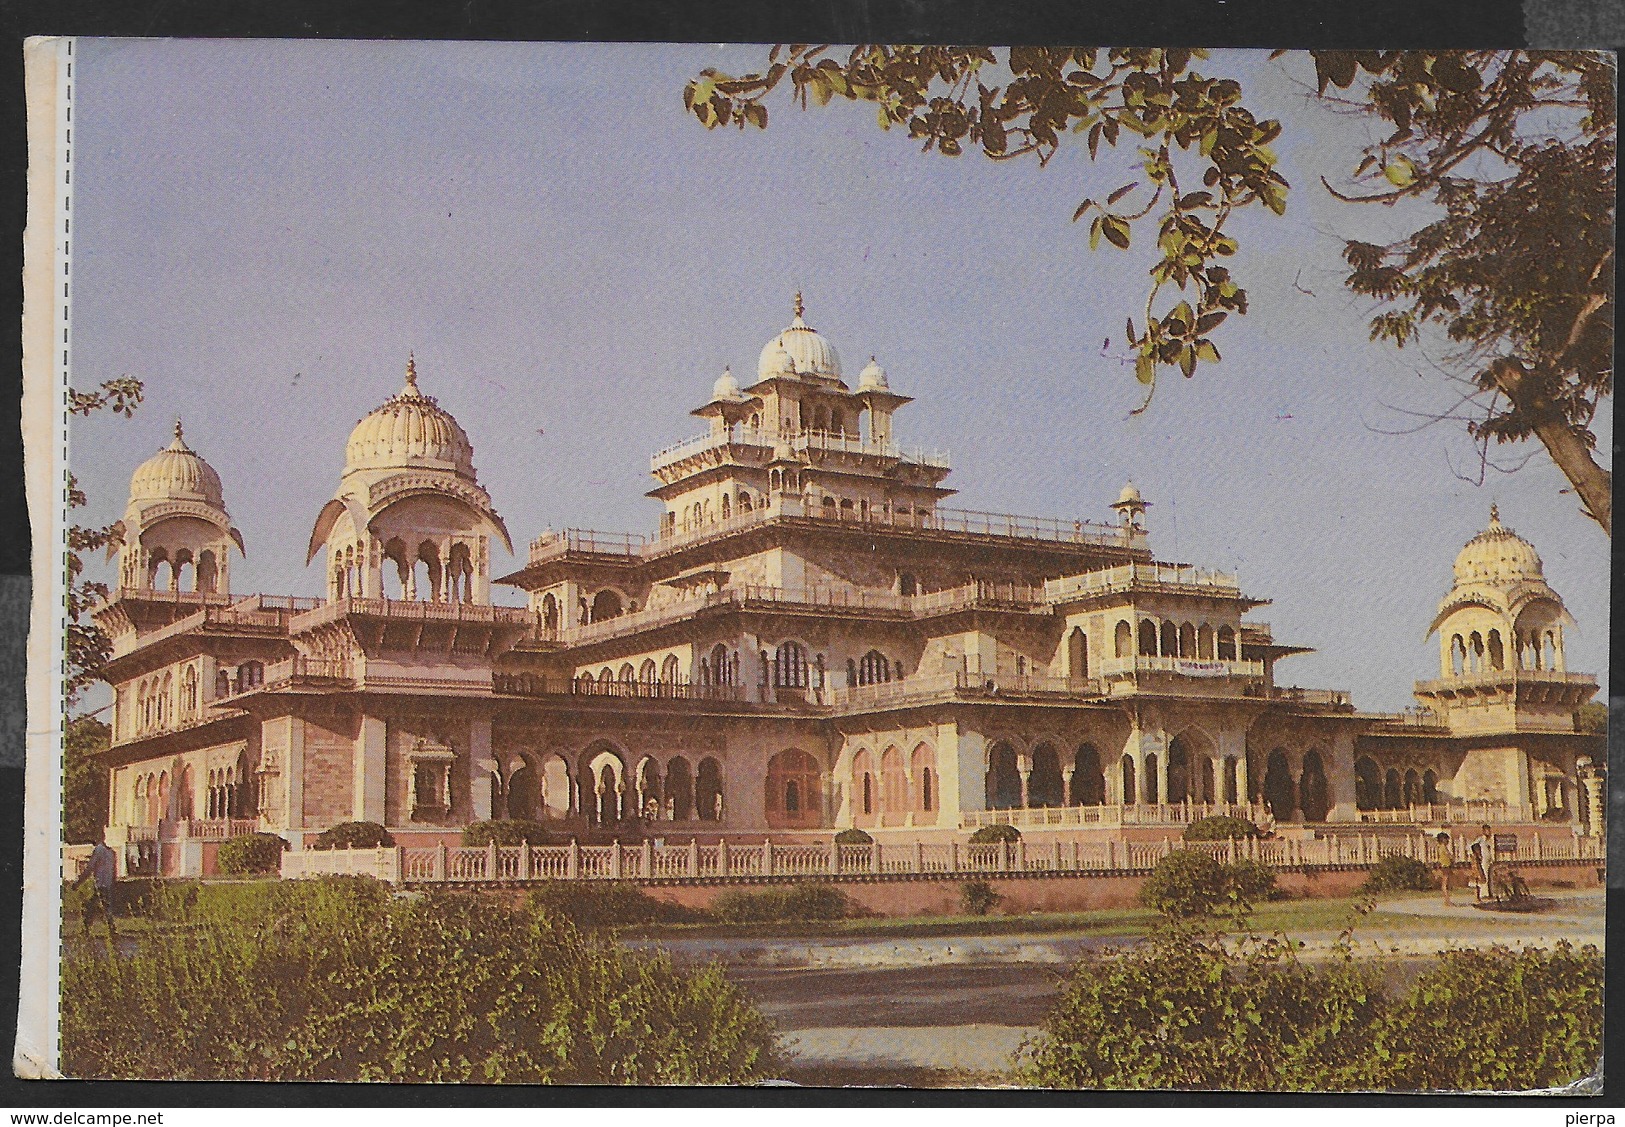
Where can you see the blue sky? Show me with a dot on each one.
(263, 230)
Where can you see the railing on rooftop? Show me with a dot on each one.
(537, 685)
(552, 544)
(1502, 676)
(711, 440)
(1180, 666)
(1335, 698)
(1133, 575)
(831, 442)
(413, 610)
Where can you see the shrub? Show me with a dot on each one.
(597, 904)
(1220, 827)
(506, 831)
(1188, 883)
(1400, 874)
(439, 988)
(854, 836)
(792, 903)
(1495, 1019)
(1252, 881)
(1182, 1011)
(978, 898)
(992, 835)
(353, 835)
(252, 853)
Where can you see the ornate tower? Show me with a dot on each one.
(176, 535)
(409, 520)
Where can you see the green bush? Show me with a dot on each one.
(1191, 1011)
(1220, 827)
(353, 835)
(1494, 1019)
(448, 988)
(791, 903)
(992, 835)
(596, 904)
(978, 898)
(506, 831)
(252, 853)
(1400, 874)
(1182, 1011)
(854, 836)
(1189, 883)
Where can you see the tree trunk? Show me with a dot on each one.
(1592, 484)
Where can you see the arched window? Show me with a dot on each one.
(628, 674)
(1458, 655)
(1045, 787)
(1367, 784)
(1077, 653)
(744, 502)
(606, 676)
(1227, 645)
(906, 584)
(646, 671)
(790, 666)
(1123, 639)
(1204, 642)
(189, 700)
(831, 511)
(1475, 653)
(708, 790)
(1003, 778)
(874, 669)
(1088, 779)
(250, 673)
(1278, 788)
(1393, 792)
(550, 612)
(893, 787)
(1148, 637)
(669, 670)
(923, 764)
(863, 782)
(794, 794)
(1430, 787)
(1129, 794)
(1312, 790)
(727, 507)
(1170, 640)
(1497, 654)
(1187, 640)
(222, 684)
(719, 665)
(679, 790)
(606, 604)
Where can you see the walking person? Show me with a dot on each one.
(101, 873)
(1444, 857)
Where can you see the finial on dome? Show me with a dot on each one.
(180, 438)
(1495, 513)
(800, 308)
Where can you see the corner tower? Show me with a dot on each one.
(409, 520)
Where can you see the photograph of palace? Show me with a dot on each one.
(880, 565)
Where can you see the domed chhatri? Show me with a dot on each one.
(873, 377)
(177, 473)
(808, 352)
(409, 431)
(726, 387)
(1498, 554)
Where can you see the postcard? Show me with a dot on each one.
(1075, 568)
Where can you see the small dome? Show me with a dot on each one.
(810, 353)
(409, 431)
(177, 473)
(726, 386)
(873, 376)
(1497, 553)
(1130, 495)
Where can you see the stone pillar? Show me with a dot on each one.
(962, 756)
(481, 766)
(294, 772)
(1340, 777)
(369, 772)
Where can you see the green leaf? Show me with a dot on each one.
(1116, 231)
(1205, 350)
(1121, 192)
(1401, 171)
(1145, 369)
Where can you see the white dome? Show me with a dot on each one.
(409, 431)
(726, 386)
(873, 376)
(810, 353)
(1130, 496)
(177, 473)
(1498, 553)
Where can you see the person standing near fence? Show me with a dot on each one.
(1484, 849)
(1444, 857)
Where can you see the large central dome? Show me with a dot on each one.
(409, 431)
(799, 350)
(1497, 554)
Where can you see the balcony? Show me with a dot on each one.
(535, 685)
(410, 611)
(1180, 667)
(1140, 577)
(942, 687)
(807, 442)
(1321, 698)
(552, 545)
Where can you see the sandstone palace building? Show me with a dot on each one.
(810, 639)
